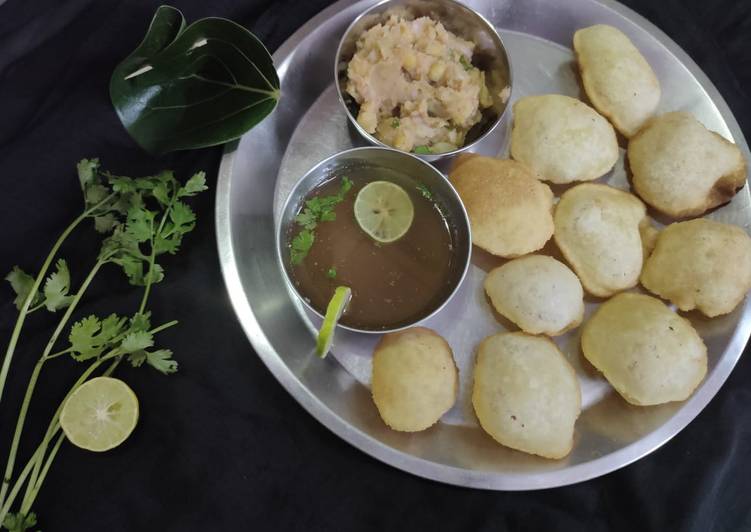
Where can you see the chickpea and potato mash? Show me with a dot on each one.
(416, 85)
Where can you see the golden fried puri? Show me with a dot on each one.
(537, 293)
(650, 354)
(617, 79)
(526, 394)
(597, 230)
(700, 264)
(562, 139)
(681, 168)
(510, 211)
(415, 380)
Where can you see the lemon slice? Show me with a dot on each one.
(100, 414)
(384, 211)
(334, 311)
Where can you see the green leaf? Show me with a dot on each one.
(156, 274)
(422, 150)
(185, 88)
(22, 283)
(140, 321)
(87, 170)
(308, 219)
(140, 223)
(133, 269)
(56, 288)
(182, 216)
(331, 274)
(161, 360)
(137, 341)
(300, 246)
(425, 191)
(194, 185)
(105, 223)
(137, 358)
(161, 193)
(83, 341)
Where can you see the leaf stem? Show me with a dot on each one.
(152, 257)
(30, 297)
(35, 375)
(36, 483)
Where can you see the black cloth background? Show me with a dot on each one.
(220, 445)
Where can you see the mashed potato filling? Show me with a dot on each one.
(416, 85)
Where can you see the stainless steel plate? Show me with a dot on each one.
(257, 172)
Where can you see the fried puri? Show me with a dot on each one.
(510, 211)
(537, 293)
(526, 394)
(616, 77)
(562, 139)
(415, 380)
(681, 168)
(597, 230)
(700, 264)
(647, 352)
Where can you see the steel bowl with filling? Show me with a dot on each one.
(489, 56)
(409, 165)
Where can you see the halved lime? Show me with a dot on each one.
(100, 414)
(334, 311)
(384, 211)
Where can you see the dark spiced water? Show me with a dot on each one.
(392, 284)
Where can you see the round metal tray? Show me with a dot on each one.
(257, 172)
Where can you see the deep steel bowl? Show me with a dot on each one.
(489, 56)
(443, 193)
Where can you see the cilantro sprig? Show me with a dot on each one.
(317, 209)
(141, 219)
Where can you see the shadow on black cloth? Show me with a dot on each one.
(220, 445)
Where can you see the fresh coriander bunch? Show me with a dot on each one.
(141, 219)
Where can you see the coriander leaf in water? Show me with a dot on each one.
(193, 86)
(424, 191)
(301, 245)
(331, 274)
(317, 209)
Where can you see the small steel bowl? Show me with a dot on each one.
(443, 193)
(489, 56)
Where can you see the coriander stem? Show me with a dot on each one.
(27, 303)
(152, 257)
(36, 484)
(35, 375)
(30, 297)
(17, 486)
(52, 429)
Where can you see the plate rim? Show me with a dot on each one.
(440, 472)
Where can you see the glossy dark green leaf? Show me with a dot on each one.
(196, 86)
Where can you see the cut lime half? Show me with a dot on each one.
(100, 414)
(334, 311)
(384, 211)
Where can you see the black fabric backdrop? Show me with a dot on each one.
(220, 445)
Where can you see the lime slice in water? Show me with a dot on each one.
(100, 414)
(334, 311)
(384, 211)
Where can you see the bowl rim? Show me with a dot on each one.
(433, 156)
(466, 258)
